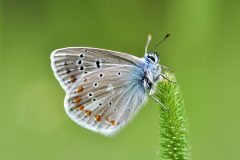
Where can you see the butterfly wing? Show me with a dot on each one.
(70, 64)
(104, 88)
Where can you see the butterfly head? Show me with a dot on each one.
(151, 69)
(152, 57)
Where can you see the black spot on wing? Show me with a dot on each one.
(98, 63)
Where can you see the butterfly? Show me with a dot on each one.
(105, 89)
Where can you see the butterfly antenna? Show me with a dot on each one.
(148, 41)
(166, 36)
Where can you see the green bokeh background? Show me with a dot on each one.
(204, 51)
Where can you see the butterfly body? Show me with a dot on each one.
(104, 89)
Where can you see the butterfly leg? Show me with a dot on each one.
(162, 105)
(163, 76)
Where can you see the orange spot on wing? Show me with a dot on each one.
(80, 89)
(72, 78)
(81, 107)
(77, 100)
(88, 112)
(113, 122)
(98, 118)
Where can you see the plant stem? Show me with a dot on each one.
(174, 144)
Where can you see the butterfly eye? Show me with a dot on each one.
(152, 58)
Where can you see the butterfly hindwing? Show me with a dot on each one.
(107, 107)
(104, 88)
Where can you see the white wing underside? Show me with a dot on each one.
(103, 89)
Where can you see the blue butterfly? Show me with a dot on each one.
(105, 89)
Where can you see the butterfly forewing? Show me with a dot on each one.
(104, 88)
(70, 64)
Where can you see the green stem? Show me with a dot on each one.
(174, 143)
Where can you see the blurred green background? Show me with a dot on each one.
(203, 50)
